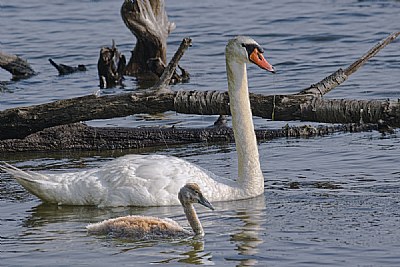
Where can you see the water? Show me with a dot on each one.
(345, 210)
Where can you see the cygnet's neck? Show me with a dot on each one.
(193, 219)
(250, 177)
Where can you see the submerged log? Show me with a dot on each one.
(79, 136)
(22, 121)
(18, 67)
(66, 69)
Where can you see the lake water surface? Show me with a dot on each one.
(345, 210)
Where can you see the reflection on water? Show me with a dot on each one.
(248, 239)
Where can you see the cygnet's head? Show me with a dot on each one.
(244, 49)
(191, 193)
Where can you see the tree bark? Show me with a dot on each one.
(20, 122)
(79, 136)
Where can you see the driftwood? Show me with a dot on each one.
(110, 66)
(308, 105)
(148, 21)
(18, 67)
(79, 136)
(66, 69)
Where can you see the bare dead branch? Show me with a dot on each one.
(339, 76)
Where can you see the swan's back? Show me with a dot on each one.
(131, 180)
(138, 228)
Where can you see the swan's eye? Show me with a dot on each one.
(251, 47)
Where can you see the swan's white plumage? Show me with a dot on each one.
(154, 180)
(131, 180)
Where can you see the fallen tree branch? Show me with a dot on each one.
(18, 67)
(22, 121)
(169, 71)
(372, 52)
(340, 76)
(79, 136)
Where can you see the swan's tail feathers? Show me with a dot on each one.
(20, 174)
(34, 182)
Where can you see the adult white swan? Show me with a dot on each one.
(155, 180)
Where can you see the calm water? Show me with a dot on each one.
(352, 222)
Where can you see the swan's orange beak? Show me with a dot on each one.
(257, 58)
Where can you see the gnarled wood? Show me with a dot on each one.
(66, 69)
(20, 122)
(18, 67)
(148, 21)
(110, 66)
(79, 136)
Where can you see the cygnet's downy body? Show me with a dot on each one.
(148, 228)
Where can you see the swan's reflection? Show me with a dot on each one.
(247, 237)
(44, 214)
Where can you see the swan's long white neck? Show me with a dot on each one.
(250, 176)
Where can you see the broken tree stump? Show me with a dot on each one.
(148, 21)
(110, 66)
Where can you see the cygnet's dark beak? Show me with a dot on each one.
(203, 201)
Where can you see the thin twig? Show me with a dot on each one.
(372, 52)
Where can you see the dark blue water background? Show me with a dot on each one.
(354, 224)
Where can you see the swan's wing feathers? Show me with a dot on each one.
(146, 180)
(132, 180)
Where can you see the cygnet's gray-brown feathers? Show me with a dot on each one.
(138, 228)
(148, 228)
